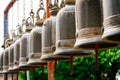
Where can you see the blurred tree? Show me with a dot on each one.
(84, 67)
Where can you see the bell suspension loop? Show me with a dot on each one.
(24, 21)
(18, 11)
(40, 18)
(23, 9)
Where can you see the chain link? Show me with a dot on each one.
(12, 18)
(23, 9)
(41, 4)
(31, 4)
(18, 11)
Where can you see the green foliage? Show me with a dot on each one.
(84, 67)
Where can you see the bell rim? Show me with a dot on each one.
(16, 67)
(76, 52)
(36, 63)
(52, 57)
(83, 43)
(10, 68)
(107, 34)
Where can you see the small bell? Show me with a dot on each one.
(89, 24)
(5, 60)
(49, 36)
(11, 57)
(16, 54)
(111, 24)
(24, 51)
(35, 46)
(65, 32)
(1, 62)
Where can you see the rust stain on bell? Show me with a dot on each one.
(89, 24)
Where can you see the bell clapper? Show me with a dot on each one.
(96, 51)
(71, 65)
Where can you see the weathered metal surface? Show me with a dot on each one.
(65, 33)
(24, 50)
(5, 60)
(1, 61)
(49, 39)
(35, 46)
(16, 54)
(11, 57)
(89, 24)
(111, 12)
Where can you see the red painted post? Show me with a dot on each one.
(97, 46)
(51, 65)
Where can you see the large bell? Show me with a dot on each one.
(35, 46)
(89, 24)
(5, 60)
(1, 61)
(11, 57)
(65, 32)
(111, 12)
(16, 54)
(49, 37)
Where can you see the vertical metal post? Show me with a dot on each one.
(33, 73)
(25, 75)
(12, 78)
(6, 76)
(42, 72)
(51, 65)
(28, 76)
(96, 50)
(71, 65)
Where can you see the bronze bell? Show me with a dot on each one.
(5, 60)
(49, 36)
(16, 54)
(24, 50)
(1, 62)
(35, 46)
(65, 32)
(11, 57)
(111, 12)
(89, 24)
(35, 41)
